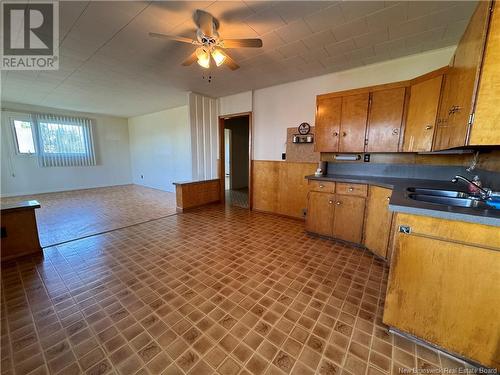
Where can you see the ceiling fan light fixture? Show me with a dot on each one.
(218, 56)
(203, 58)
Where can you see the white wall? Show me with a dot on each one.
(233, 104)
(22, 175)
(279, 107)
(160, 148)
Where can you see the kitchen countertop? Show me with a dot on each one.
(24, 205)
(401, 203)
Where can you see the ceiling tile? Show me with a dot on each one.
(350, 29)
(340, 47)
(265, 21)
(294, 31)
(319, 39)
(326, 18)
(392, 15)
(372, 38)
(356, 9)
(292, 10)
(292, 49)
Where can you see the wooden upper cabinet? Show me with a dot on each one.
(328, 113)
(320, 209)
(422, 114)
(378, 220)
(353, 122)
(462, 80)
(385, 119)
(485, 129)
(348, 218)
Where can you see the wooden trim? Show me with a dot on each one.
(430, 75)
(222, 156)
(403, 120)
(362, 90)
(386, 86)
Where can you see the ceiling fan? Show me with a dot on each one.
(210, 45)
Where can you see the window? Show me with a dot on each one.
(24, 137)
(59, 141)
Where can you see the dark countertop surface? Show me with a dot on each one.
(400, 202)
(23, 205)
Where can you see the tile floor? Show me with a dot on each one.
(214, 290)
(237, 197)
(75, 214)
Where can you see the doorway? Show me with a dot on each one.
(235, 159)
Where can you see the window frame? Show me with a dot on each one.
(24, 117)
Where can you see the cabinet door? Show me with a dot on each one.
(319, 218)
(384, 120)
(422, 113)
(378, 220)
(328, 111)
(353, 123)
(448, 294)
(348, 219)
(462, 80)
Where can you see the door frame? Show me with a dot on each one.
(222, 164)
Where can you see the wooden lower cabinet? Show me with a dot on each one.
(444, 292)
(348, 218)
(335, 215)
(320, 211)
(378, 220)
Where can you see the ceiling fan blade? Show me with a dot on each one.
(241, 43)
(191, 59)
(174, 37)
(205, 22)
(230, 62)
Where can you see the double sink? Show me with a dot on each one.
(446, 198)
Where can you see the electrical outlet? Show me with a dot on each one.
(142, 177)
(366, 158)
(283, 156)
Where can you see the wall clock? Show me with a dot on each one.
(304, 128)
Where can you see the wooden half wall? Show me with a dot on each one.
(280, 187)
(197, 193)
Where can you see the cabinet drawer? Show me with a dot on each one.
(352, 189)
(326, 186)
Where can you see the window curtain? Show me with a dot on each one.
(64, 141)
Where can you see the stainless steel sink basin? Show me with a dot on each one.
(449, 201)
(439, 193)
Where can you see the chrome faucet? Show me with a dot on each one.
(484, 193)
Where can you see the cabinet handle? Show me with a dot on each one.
(428, 127)
(330, 202)
(335, 134)
(344, 134)
(338, 203)
(321, 186)
(388, 198)
(395, 131)
(350, 189)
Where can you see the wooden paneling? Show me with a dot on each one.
(422, 113)
(293, 188)
(321, 222)
(447, 293)
(353, 122)
(197, 193)
(280, 187)
(328, 112)
(265, 185)
(485, 130)
(348, 218)
(322, 186)
(20, 233)
(462, 82)
(351, 189)
(378, 220)
(385, 120)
